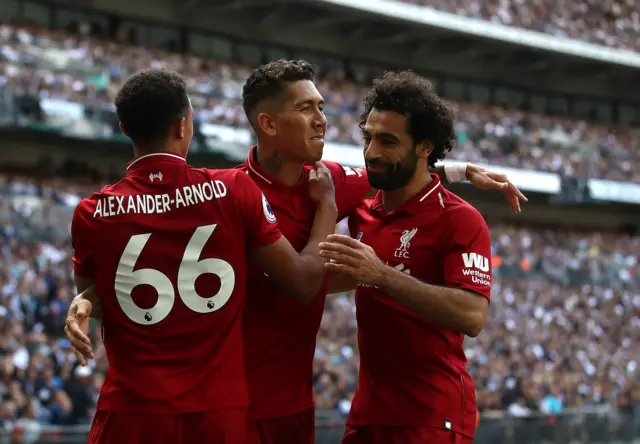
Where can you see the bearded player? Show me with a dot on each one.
(166, 248)
(287, 113)
(421, 260)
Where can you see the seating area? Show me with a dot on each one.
(614, 23)
(564, 326)
(63, 79)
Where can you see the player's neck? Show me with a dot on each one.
(393, 199)
(140, 151)
(273, 163)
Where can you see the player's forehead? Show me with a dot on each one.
(385, 123)
(303, 92)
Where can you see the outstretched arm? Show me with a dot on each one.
(482, 179)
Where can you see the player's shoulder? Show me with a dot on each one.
(107, 190)
(337, 169)
(83, 212)
(460, 214)
(242, 167)
(229, 175)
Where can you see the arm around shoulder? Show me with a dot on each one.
(300, 275)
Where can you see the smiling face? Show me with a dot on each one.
(391, 156)
(299, 124)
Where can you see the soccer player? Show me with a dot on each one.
(421, 259)
(166, 248)
(286, 111)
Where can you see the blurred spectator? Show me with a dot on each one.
(563, 329)
(553, 403)
(565, 313)
(613, 23)
(75, 95)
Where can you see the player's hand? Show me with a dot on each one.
(488, 180)
(321, 188)
(352, 257)
(77, 329)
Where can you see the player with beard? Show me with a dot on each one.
(421, 261)
(286, 111)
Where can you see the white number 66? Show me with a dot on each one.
(190, 269)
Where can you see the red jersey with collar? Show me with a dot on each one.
(413, 372)
(167, 249)
(279, 334)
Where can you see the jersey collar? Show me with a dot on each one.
(427, 196)
(256, 171)
(154, 157)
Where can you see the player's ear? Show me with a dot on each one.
(424, 149)
(123, 130)
(181, 128)
(266, 123)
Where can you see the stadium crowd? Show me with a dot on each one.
(78, 68)
(613, 23)
(563, 329)
(565, 314)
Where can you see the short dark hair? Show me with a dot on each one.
(149, 102)
(430, 118)
(269, 82)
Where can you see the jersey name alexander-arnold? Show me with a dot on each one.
(160, 203)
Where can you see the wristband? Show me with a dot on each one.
(456, 172)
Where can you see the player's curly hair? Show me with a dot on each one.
(269, 82)
(149, 103)
(430, 118)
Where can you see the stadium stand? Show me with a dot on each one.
(563, 334)
(486, 134)
(612, 23)
(564, 327)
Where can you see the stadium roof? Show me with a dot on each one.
(338, 28)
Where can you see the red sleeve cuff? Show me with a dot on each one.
(267, 238)
(481, 290)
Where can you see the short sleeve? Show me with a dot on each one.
(352, 186)
(261, 225)
(83, 263)
(467, 259)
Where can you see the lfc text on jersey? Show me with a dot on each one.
(160, 203)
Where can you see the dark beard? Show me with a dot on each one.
(395, 175)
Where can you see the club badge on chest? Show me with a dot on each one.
(402, 252)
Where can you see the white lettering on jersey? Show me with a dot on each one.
(160, 203)
(405, 242)
(476, 266)
(348, 171)
(475, 260)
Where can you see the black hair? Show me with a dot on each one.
(149, 103)
(430, 118)
(269, 82)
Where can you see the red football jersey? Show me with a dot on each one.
(413, 372)
(167, 248)
(279, 334)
